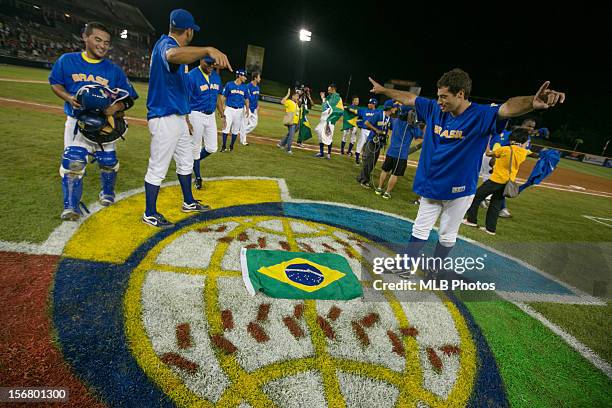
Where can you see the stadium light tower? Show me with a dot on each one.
(305, 35)
(305, 38)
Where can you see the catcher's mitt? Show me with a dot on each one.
(101, 129)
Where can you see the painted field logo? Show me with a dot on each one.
(304, 274)
(173, 323)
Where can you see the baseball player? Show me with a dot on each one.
(167, 110)
(332, 110)
(405, 129)
(250, 123)
(349, 126)
(363, 115)
(378, 124)
(455, 137)
(204, 99)
(70, 73)
(236, 99)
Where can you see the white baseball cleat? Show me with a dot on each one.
(484, 229)
(469, 224)
(504, 213)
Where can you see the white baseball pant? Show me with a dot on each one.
(352, 133)
(248, 125)
(233, 120)
(170, 138)
(485, 169)
(451, 213)
(70, 139)
(363, 137)
(204, 129)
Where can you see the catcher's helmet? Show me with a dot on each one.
(94, 98)
(101, 129)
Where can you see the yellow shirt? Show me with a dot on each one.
(291, 106)
(501, 169)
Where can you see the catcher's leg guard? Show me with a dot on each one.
(72, 170)
(109, 165)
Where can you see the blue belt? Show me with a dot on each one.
(235, 107)
(207, 113)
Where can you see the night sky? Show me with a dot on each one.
(506, 52)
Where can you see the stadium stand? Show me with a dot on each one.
(42, 32)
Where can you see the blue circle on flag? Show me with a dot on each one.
(304, 274)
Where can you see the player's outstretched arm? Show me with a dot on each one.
(519, 105)
(406, 98)
(187, 55)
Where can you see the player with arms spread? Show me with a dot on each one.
(167, 110)
(71, 72)
(455, 138)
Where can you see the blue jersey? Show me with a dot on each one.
(401, 137)
(74, 70)
(452, 149)
(503, 139)
(235, 95)
(168, 83)
(253, 96)
(380, 121)
(364, 114)
(203, 91)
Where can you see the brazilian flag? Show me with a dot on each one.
(298, 275)
(304, 129)
(349, 117)
(334, 101)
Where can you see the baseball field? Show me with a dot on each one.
(121, 315)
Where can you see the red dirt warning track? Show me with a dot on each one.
(28, 356)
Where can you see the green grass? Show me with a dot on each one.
(589, 324)
(538, 368)
(15, 72)
(586, 168)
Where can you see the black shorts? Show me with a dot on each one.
(396, 166)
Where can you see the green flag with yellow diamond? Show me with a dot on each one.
(298, 275)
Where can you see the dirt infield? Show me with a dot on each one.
(560, 179)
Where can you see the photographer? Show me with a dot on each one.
(379, 125)
(304, 101)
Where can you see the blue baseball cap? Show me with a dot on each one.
(183, 19)
(373, 101)
(388, 104)
(240, 72)
(209, 60)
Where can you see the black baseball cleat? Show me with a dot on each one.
(105, 199)
(157, 221)
(223, 149)
(198, 183)
(196, 206)
(69, 214)
(231, 148)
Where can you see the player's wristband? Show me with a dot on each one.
(128, 103)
